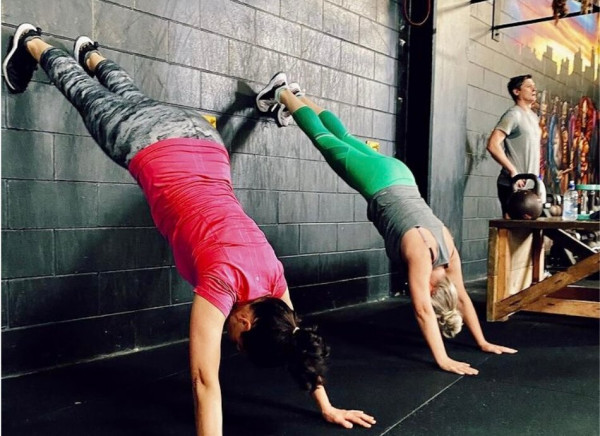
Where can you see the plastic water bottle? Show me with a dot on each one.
(570, 203)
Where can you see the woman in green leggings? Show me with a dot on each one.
(413, 235)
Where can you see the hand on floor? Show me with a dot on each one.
(497, 349)
(347, 418)
(457, 367)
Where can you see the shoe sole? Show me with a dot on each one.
(261, 105)
(15, 45)
(79, 42)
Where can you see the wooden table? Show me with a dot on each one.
(516, 276)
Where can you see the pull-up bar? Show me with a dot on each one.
(496, 28)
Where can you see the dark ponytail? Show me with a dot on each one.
(275, 340)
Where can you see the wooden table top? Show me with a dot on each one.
(546, 223)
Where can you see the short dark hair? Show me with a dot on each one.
(515, 83)
(274, 340)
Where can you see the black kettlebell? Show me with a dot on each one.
(525, 204)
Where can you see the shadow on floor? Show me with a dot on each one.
(379, 363)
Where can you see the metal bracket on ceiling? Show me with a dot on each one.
(496, 16)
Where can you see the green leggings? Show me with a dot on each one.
(363, 168)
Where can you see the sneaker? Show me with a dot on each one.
(266, 98)
(284, 117)
(19, 65)
(82, 47)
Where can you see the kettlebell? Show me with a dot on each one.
(524, 204)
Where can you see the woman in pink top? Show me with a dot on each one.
(180, 162)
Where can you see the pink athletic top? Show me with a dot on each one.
(216, 246)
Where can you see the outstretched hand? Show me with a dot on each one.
(347, 418)
(496, 349)
(461, 368)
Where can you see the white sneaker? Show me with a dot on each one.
(81, 48)
(284, 117)
(266, 97)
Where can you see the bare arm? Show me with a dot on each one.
(418, 261)
(496, 149)
(465, 305)
(206, 328)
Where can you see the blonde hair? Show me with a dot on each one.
(445, 305)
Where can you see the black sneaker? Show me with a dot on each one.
(19, 65)
(81, 48)
(266, 98)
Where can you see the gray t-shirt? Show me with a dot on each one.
(522, 142)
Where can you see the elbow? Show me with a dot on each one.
(423, 312)
(203, 381)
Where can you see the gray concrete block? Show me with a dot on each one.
(386, 69)
(29, 111)
(336, 207)
(198, 49)
(307, 12)
(339, 86)
(488, 207)
(307, 74)
(4, 304)
(27, 155)
(230, 19)
(282, 36)
(320, 48)
(184, 11)
(343, 266)
(474, 270)
(88, 250)
(250, 62)
(4, 200)
(123, 291)
(283, 238)
(51, 19)
(128, 30)
(219, 94)
(301, 270)
(340, 22)
(52, 299)
(373, 95)
(470, 209)
(181, 291)
(260, 172)
(384, 126)
(366, 8)
(389, 13)
(169, 83)
(360, 208)
(79, 158)
(122, 206)
(475, 229)
(474, 250)
(378, 38)
(27, 253)
(318, 238)
(266, 5)
(34, 204)
(358, 120)
(317, 177)
(247, 135)
(358, 236)
(261, 206)
(357, 60)
(298, 207)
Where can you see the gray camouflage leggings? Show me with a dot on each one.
(119, 117)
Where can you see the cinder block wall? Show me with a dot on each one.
(490, 66)
(84, 272)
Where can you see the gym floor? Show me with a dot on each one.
(379, 363)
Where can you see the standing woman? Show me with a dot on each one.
(413, 235)
(180, 162)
